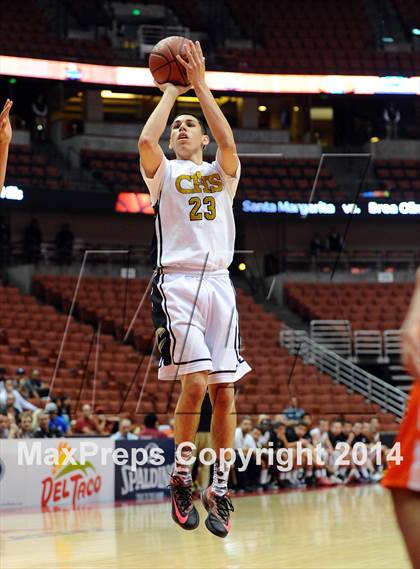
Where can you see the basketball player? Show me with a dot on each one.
(404, 479)
(193, 300)
(5, 138)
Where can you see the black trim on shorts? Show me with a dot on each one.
(160, 322)
(159, 235)
(237, 340)
(171, 331)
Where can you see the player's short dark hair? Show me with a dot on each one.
(200, 120)
(301, 424)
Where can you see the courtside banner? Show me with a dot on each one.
(55, 473)
(12, 479)
(145, 476)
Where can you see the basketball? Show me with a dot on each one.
(163, 63)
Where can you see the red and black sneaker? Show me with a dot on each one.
(184, 512)
(219, 509)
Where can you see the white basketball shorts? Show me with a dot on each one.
(197, 326)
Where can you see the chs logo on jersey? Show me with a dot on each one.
(197, 183)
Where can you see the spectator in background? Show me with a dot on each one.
(281, 479)
(64, 408)
(124, 432)
(104, 425)
(2, 378)
(347, 428)
(392, 117)
(4, 425)
(21, 403)
(40, 118)
(56, 422)
(316, 245)
(247, 479)
(11, 408)
(150, 429)
(44, 431)
(168, 429)
(25, 429)
(64, 241)
(267, 433)
(319, 435)
(87, 424)
(32, 239)
(335, 241)
(293, 413)
(307, 420)
(375, 431)
(336, 434)
(34, 384)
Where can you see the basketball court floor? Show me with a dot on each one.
(339, 528)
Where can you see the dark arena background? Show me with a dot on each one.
(324, 101)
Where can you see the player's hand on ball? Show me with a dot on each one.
(177, 89)
(195, 66)
(5, 126)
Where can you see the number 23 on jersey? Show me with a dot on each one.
(207, 204)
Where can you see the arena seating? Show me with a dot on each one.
(368, 306)
(118, 170)
(400, 177)
(30, 337)
(287, 178)
(113, 302)
(265, 388)
(25, 31)
(32, 170)
(290, 178)
(337, 39)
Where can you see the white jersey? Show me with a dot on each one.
(195, 228)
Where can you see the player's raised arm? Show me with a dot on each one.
(150, 152)
(218, 124)
(5, 138)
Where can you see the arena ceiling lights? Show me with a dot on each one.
(217, 80)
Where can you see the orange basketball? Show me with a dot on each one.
(163, 63)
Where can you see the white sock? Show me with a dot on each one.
(183, 470)
(220, 479)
